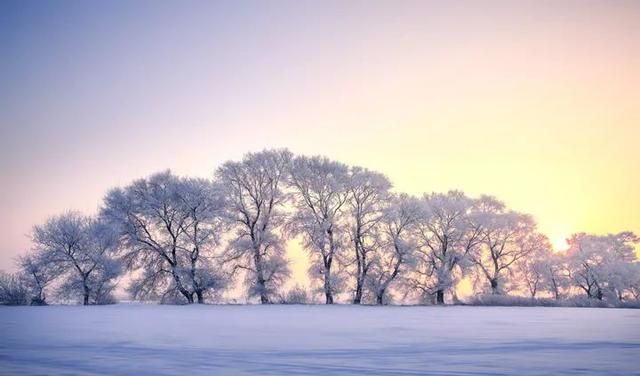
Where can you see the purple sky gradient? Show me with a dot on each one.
(534, 102)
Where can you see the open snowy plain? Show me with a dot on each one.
(136, 339)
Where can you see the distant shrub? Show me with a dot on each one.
(105, 299)
(13, 290)
(629, 304)
(519, 301)
(38, 301)
(583, 301)
(507, 300)
(297, 295)
(173, 297)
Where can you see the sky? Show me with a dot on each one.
(536, 103)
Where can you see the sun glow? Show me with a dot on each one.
(560, 244)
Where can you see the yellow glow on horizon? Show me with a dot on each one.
(560, 244)
(536, 105)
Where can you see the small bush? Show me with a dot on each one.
(629, 304)
(297, 295)
(105, 299)
(507, 300)
(583, 301)
(13, 290)
(38, 301)
(519, 301)
(173, 297)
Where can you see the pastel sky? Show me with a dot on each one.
(537, 103)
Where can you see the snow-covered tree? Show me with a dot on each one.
(169, 229)
(448, 233)
(203, 230)
(632, 281)
(82, 250)
(38, 274)
(506, 237)
(534, 271)
(368, 193)
(397, 245)
(13, 289)
(624, 281)
(599, 265)
(254, 189)
(555, 274)
(321, 190)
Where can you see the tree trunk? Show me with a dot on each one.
(264, 297)
(494, 286)
(328, 297)
(380, 297)
(599, 295)
(86, 295)
(196, 287)
(182, 290)
(440, 296)
(358, 298)
(327, 288)
(176, 278)
(328, 260)
(556, 292)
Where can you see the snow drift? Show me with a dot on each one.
(136, 339)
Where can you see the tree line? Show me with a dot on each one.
(187, 240)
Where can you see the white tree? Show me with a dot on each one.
(623, 281)
(254, 190)
(368, 193)
(38, 274)
(632, 281)
(396, 251)
(547, 272)
(169, 229)
(599, 265)
(535, 273)
(506, 237)
(205, 204)
(556, 275)
(81, 249)
(320, 194)
(448, 233)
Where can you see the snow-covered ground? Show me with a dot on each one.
(132, 339)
